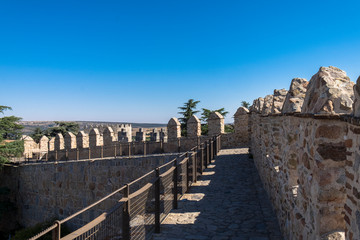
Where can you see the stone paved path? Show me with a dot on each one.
(228, 202)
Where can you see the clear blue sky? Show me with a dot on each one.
(138, 61)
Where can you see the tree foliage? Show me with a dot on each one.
(188, 110)
(10, 133)
(37, 134)
(62, 127)
(206, 113)
(245, 104)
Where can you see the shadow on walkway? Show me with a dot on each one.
(227, 202)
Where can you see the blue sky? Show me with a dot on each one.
(137, 61)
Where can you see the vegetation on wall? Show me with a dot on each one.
(10, 133)
(189, 109)
(61, 127)
(245, 104)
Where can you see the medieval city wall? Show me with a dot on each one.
(305, 145)
(44, 191)
(110, 143)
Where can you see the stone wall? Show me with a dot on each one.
(308, 156)
(56, 190)
(301, 161)
(110, 143)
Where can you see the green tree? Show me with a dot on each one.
(187, 111)
(229, 128)
(62, 127)
(245, 104)
(205, 115)
(37, 134)
(10, 133)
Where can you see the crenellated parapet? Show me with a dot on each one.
(109, 136)
(278, 100)
(267, 105)
(95, 139)
(295, 96)
(51, 144)
(125, 133)
(140, 135)
(193, 127)
(215, 124)
(307, 155)
(155, 135)
(241, 126)
(330, 91)
(82, 140)
(59, 142)
(70, 140)
(44, 144)
(174, 129)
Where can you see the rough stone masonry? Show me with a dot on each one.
(308, 156)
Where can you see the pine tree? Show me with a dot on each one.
(245, 104)
(10, 133)
(205, 115)
(62, 127)
(187, 111)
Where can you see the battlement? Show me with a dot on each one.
(304, 141)
(107, 141)
(305, 145)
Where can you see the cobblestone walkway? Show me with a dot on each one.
(228, 202)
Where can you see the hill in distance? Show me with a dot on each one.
(29, 126)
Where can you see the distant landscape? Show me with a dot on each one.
(29, 126)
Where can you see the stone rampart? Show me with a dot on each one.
(56, 190)
(309, 160)
(110, 143)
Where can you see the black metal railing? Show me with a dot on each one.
(138, 208)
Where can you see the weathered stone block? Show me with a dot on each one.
(296, 95)
(193, 127)
(215, 124)
(329, 91)
(174, 129)
(278, 100)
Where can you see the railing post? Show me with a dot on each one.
(57, 231)
(175, 203)
(211, 150)
(201, 160)
(162, 145)
(56, 155)
(157, 201)
(102, 152)
(214, 147)
(129, 150)
(120, 149)
(89, 153)
(187, 172)
(47, 156)
(194, 161)
(77, 154)
(144, 148)
(208, 160)
(219, 142)
(126, 215)
(115, 150)
(179, 146)
(66, 155)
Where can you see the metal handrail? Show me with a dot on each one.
(126, 197)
